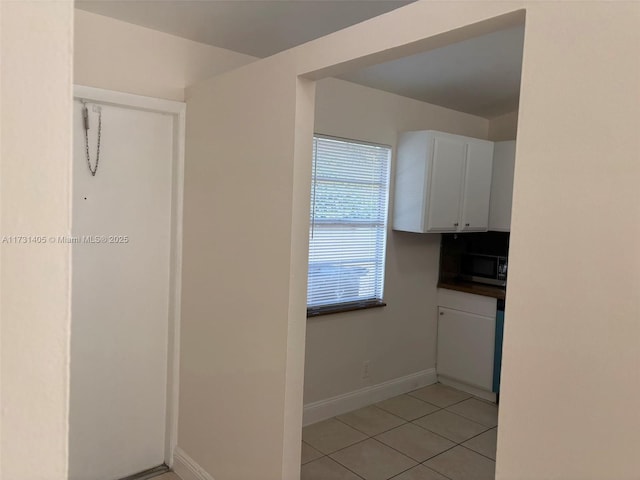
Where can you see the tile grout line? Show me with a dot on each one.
(403, 471)
(469, 418)
(396, 450)
(408, 394)
(434, 470)
(475, 436)
(347, 468)
(445, 451)
(410, 422)
(418, 462)
(425, 466)
(471, 397)
(454, 441)
(399, 473)
(334, 460)
(454, 403)
(384, 431)
(406, 422)
(348, 446)
(384, 445)
(369, 437)
(455, 444)
(446, 409)
(481, 454)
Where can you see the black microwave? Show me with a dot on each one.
(488, 269)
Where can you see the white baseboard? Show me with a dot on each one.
(323, 409)
(186, 467)
(476, 392)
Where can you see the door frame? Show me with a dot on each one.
(178, 111)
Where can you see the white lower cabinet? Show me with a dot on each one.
(466, 338)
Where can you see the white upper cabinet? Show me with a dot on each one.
(447, 170)
(504, 159)
(443, 183)
(477, 187)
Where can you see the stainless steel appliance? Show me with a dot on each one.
(488, 269)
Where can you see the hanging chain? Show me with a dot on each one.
(93, 170)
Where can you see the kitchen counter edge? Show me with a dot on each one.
(474, 288)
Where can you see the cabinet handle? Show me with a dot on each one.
(441, 313)
(455, 224)
(466, 224)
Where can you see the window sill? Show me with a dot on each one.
(343, 307)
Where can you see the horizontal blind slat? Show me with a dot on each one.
(348, 221)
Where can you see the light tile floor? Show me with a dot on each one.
(167, 476)
(434, 433)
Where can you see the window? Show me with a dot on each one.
(347, 238)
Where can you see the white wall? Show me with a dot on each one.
(243, 305)
(572, 337)
(121, 56)
(504, 127)
(398, 339)
(572, 340)
(35, 160)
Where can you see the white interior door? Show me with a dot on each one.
(120, 293)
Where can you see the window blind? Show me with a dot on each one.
(349, 198)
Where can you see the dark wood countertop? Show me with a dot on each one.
(475, 288)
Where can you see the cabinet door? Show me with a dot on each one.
(466, 347)
(410, 204)
(504, 159)
(445, 185)
(477, 187)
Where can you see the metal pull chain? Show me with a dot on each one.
(85, 116)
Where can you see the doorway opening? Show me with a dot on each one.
(388, 380)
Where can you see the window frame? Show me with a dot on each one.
(328, 309)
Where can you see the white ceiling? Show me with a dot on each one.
(480, 76)
(254, 27)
